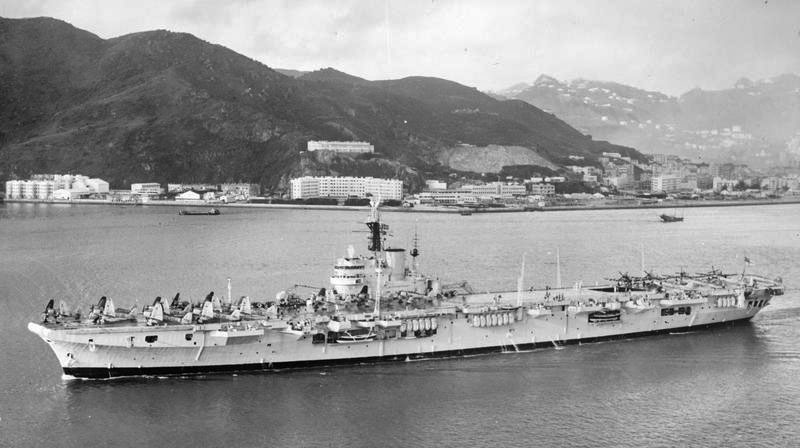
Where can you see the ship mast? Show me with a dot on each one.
(520, 281)
(377, 311)
(377, 231)
(415, 254)
(229, 291)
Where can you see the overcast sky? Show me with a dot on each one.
(670, 46)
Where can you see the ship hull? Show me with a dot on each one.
(113, 372)
(196, 349)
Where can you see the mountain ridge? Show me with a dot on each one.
(751, 120)
(166, 106)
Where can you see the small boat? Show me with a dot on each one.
(210, 212)
(670, 218)
(465, 212)
(350, 337)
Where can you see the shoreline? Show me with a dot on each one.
(673, 204)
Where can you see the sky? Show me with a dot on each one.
(670, 46)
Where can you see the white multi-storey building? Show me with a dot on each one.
(446, 197)
(43, 189)
(358, 147)
(665, 182)
(543, 189)
(496, 189)
(97, 185)
(44, 186)
(29, 189)
(384, 188)
(14, 189)
(344, 187)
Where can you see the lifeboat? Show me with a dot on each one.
(606, 315)
(350, 337)
(339, 326)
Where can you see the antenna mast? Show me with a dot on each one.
(415, 253)
(377, 232)
(520, 281)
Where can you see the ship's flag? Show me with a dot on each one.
(747, 260)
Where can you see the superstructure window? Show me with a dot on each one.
(151, 339)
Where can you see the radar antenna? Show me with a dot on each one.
(377, 229)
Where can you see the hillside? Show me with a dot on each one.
(751, 121)
(164, 106)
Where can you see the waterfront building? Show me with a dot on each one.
(68, 194)
(14, 189)
(44, 186)
(447, 197)
(495, 189)
(29, 189)
(62, 195)
(43, 189)
(194, 195)
(146, 189)
(97, 185)
(357, 147)
(189, 195)
(773, 183)
(542, 189)
(345, 187)
(667, 183)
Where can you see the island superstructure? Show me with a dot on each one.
(381, 308)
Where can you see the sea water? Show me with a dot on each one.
(726, 387)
